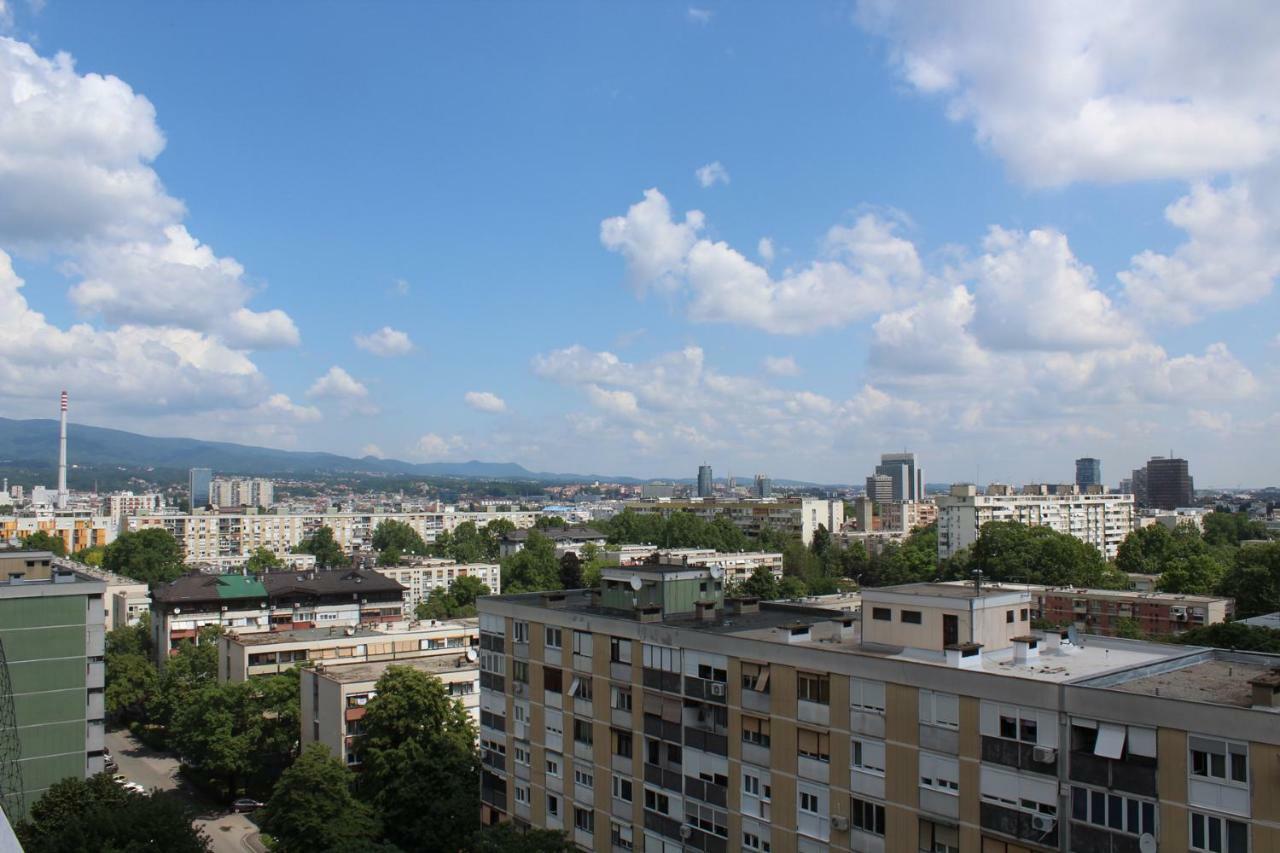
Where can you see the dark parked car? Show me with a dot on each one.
(245, 804)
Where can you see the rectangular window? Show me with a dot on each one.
(940, 772)
(813, 688)
(751, 841)
(755, 676)
(940, 709)
(582, 731)
(582, 643)
(553, 638)
(655, 801)
(661, 657)
(809, 803)
(911, 617)
(1213, 834)
(866, 695)
(619, 650)
(815, 745)
(520, 631)
(1008, 617)
(522, 754)
(867, 816)
(581, 687)
(868, 756)
(755, 730)
(583, 776)
(553, 806)
(621, 836)
(524, 793)
(584, 819)
(622, 788)
(882, 614)
(553, 765)
(753, 786)
(552, 680)
(622, 743)
(620, 698)
(520, 671)
(1219, 760)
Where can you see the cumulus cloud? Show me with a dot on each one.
(699, 16)
(385, 342)
(438, 448)
(781, 365)
(711, 174)
(485, 401)
(866, 267)
(344, 389)
(765, 250)
(1063, 91)
(372, 450)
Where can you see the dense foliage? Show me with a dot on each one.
(1233, 635)
(42, 540)
(312, 808)
(97, 814)
(324, 547)
(679, 530)
(1010, 551)
(468, 543)
(459, 600)
(152, 556)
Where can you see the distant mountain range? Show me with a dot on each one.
(34, 444)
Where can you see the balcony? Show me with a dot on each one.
(95, 675)
(707, 741)
(1016, 824)
(1016, 754)
(664, 777)
(707, 792)
(1134, 775)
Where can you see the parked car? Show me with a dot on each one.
(134, 788)
(110, 765)
(120, 779)
(245, 804)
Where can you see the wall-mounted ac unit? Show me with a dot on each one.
(1043, 823)
(717, 689)
(1044, 754)
(839, 823)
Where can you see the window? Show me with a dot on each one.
(552, 680)
(866, 695)
(584, 819)
(866, 816)
(1022, 616)
(620, 836)
(554, 640)
(553, 806)
(622, 788)
(868, 756)
(1008, 617)
(882, 614)
(809, 803)
(751, 841)
(755, 676)
(940, 709)
(622, 743)
(582, 731)
(520, 631)
(661, 657)
(1218, 759)
(709, 673)
(1113, 811)
(584, 777)
(911, 617)
(620, 698)
(656, 801)
(581, 687)
(553, 765)
(940, 772)
(815, 745)
(582, 643)
(524, 794)
(939, 838)
(520, 671)
(523, 754)
(755, 730)
(706, 818)
(619, 650)
(813, 688)
(1218, 835)
(753, 787)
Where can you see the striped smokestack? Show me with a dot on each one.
(62, 455)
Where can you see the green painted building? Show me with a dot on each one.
(671, 590)
(52, 630)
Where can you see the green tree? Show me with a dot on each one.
(1010, 551)
(1129, 628)
(399, 535)
(42, 540)
(509, 838)
(533, 568)
(1233, 635)
(1152, 549)
(1197, 574)
(97, 814)
(493, 533)
(761, 584)
(570, 571)
(466, 589)
(192, 666)
(1254, 580)
(263, 560)
(914, 560)
(548, 522)
(1232, 528)
(821, 541)
(324, 547)
(131, 681)
(792, 587)
(312, 807)
(91, 556)
(152, 556)
(420, 769)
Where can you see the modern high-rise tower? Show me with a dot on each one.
(908, 480)
(1088, 472)
(199, 483)
(763, 486)
(704, 481)
(1169, 483)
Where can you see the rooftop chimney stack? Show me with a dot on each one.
(62, 455)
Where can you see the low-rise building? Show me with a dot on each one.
(736, 566)
(279, 601)
(244, 655)
(1172, 518)
(334, 697)
(420, 575)
(566, 539)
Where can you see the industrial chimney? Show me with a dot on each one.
(62, 456)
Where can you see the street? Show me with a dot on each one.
(228, 832)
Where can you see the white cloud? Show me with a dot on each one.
(385, 342)
(400, 287)
(765, 250)
(343, 388)
(783, 365)
(372, 450)
(1065, 91)
(699, 16)
(930, 337)
(485, 401)
(866, 268)
(280, 407)
(1231, 257)
(711, 174)
(438, 448)
(618, 402)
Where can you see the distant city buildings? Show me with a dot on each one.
(763, 486)
(658, 490)
(906, 516)
(199, 485)
(242, 491)
(1102, 521)
(801, 516)
(880, 488)
(420, 575)
(1168, 483)
(705, 482)
(1088, 473)
(907, 479)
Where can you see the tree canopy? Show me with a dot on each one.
(679, 530)
(152, 556)
(324, 547)
(397, 537)
(312, 807)
(1232, 528)
(458, 600)
(509, 838)
(534, 567)
(1011, 551)
(42, 540)
(1232, 635)
(96, 813)
(263, 560)
(1254, 580)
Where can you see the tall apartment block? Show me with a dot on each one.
(1169, 483)
(880, 488)
(52, 631)
(654, 714)
(1088, 473)
(1101, 520)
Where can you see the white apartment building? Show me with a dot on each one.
(801, 517)
(1103, 521)
(420, 575)
(736, 565)
(242, 491)
(123, 504)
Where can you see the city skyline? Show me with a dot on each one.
(765, 300)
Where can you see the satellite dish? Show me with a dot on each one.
(1147, 843)
(471, 654)
(636, 583)
(717, 572)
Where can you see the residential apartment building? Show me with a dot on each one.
(244, 655)
(800, 517)
(1102, 611)
(276, 601)
(1103, 521)
(124, 600)
(77, 530)
(654, 714)
(334, 697)
(566, 539)
(242, 491)
(52, 636)
(121, 505)
(420, 575)
(906, 516)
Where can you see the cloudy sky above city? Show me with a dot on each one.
(630, 238)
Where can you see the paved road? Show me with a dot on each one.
(228, 832)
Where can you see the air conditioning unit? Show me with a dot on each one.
(717, 689)
(1043, 823)
(1044, 754)
(839, 823)
(685, 830)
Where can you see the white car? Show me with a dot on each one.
(134, 788)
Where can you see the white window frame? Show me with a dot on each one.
(583, 643)
(1228, 749)
(867, 755)
(940, 709)
(867, 695)
(621, 784)
(520, 631)
(553, 637)
(1208, 819)
(940, 773)
(553, 762)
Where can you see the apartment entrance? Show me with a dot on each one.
(950, 629)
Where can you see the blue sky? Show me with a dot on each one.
(231, 200)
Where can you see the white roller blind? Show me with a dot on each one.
(1142, 741)
(1110, 743)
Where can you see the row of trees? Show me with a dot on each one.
(150, 556)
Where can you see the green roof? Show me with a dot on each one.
(239, 586)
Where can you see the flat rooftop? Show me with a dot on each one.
(946, 589)
(349, 673)
(340, 632)
(1125, 594)
(1216, 678)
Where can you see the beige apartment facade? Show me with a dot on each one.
(1102, 521)
(801, 517)
(782, 728)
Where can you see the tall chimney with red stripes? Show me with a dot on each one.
(62, 456)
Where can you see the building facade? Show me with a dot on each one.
(879, 488)
(1103, 521)
(1169, 484)
(1088, 473)
(705, 482)
(242, 491)
(52, 634)
(906, 516)
(906, 480)
(762, 486)
(800, 517)
(420, 575)
(199, 487)
(77, 530)
(937, 722)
